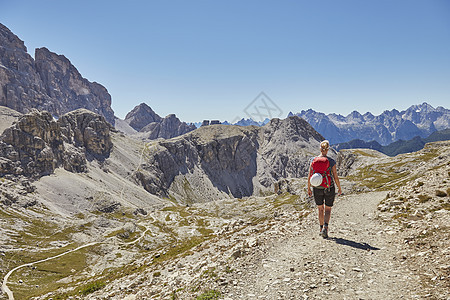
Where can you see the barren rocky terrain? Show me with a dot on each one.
(99, 234)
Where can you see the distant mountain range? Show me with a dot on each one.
(415, 144)
(390, 126)
(50, 82)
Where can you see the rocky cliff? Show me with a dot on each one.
(49, 82)
(219, 161)
(37, 144)
(417, 120)
(151, 126)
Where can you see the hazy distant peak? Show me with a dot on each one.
(391, 125)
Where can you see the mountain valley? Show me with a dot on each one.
(150, 207)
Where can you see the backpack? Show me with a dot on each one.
(321, 165)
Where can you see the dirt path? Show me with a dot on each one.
(356, 262)
(5, 289)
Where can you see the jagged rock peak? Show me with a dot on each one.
(391, 125)
(141, 115)
(63, 82)
(10, 40)
(143, 119)
(48, 83)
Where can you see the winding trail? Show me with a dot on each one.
(5, 288)
(10, 294)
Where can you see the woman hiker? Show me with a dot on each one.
(324, 190)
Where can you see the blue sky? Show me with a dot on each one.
(210, 59)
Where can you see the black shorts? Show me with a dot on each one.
(324, 194)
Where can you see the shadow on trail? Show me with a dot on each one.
(362, 246)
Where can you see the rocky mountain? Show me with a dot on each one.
(151, 126)
(96, 233)
(418, 120)
(37, 144)
(250, 122)
(49, 82)
(219, 161)
(398, 147)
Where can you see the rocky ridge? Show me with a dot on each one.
(49, 82)
(252, 247)
(219, 161)
(390, 126)
(37, 144)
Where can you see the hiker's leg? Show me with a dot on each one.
(321, 214)
(329, 201)
(327, 214)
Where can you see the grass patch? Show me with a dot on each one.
(286, 198)
(209, 295)
(380, 177)
(181, 210)
(157, 274)
(210, 273)
(92, 287)
(45, 277)
(181, 248)
(205, 231)
(363, 153)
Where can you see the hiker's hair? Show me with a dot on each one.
(324, 145)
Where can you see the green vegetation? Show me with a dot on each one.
(92, 287)
(381, 177)
(209, 295)
(286, 198)
(45, 277)
(210, 273)
(182, 248)
(364, 153)
(181, 210)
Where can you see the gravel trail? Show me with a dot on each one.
(357, 261)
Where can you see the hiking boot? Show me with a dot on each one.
(324, 232)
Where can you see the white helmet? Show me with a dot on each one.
(316, 179)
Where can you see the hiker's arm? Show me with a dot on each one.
(336, 179)
(309, 183)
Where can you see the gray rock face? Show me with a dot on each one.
(48, 83)
(86, 129)
(143, 119)
(21, 87)
(218, 161)
(68, 88)
(141, 116)
(418, 120)
(37, 144)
